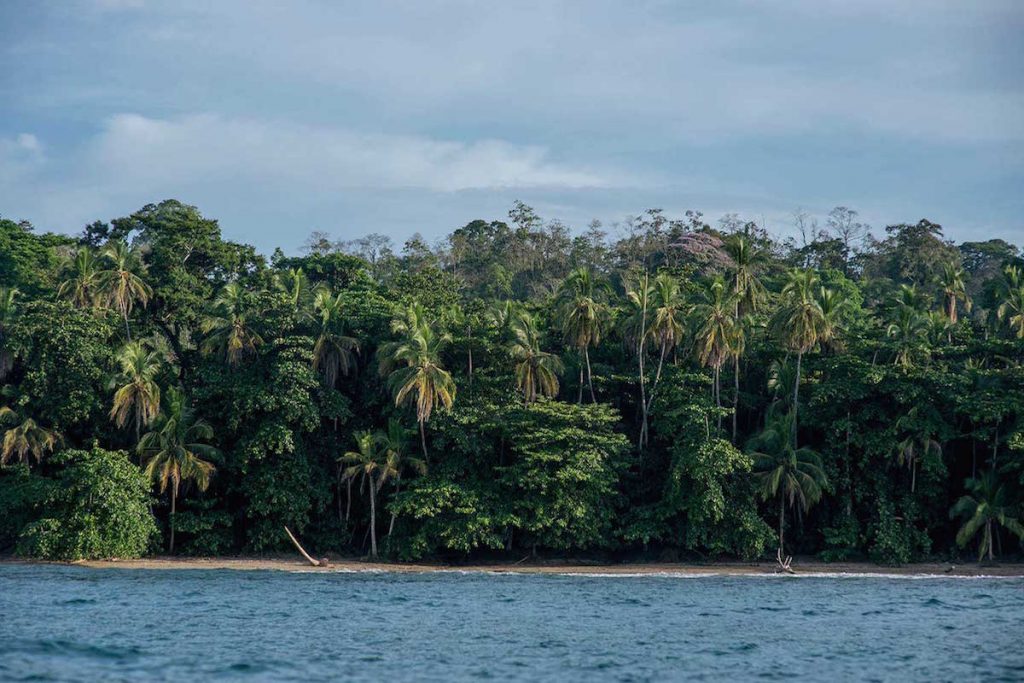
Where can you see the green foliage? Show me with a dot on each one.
(97, 508)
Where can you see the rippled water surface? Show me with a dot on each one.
(71, 623)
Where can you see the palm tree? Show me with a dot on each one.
(295, 286)
(227, 329)
(954, 289)
(174, 451)
(1011, 308)
(370, 463)
(25, 439)
(137, 394)
(636, 330)
(121, 284)
(919, 441)
(536, 371)
(395, 444)
(798, 323)
(334, 351)
(781, 469)
(987, 505)
(82, 287)
(749, 294)
(909, 332)
(581, 302)
(834, 307)
(8, 313)
(413, 367)
(717, 336)
(456, 318)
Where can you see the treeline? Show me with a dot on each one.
(678, 390)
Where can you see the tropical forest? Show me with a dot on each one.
(667, 388)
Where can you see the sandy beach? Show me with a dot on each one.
(725, 568)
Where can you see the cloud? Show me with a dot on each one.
(207, 148)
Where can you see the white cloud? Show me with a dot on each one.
(206, 148)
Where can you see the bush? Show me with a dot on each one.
(22, 495)
(97, 509)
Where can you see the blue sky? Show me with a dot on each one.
(396, 117)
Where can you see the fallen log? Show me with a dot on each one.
(298, 546)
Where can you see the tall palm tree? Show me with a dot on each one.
(413, 367)
(121, 283)
(27, 438)
(749, 294)
(581, 302)
(84, 281)
(909, 332)
(227, 328)
(536, 371)
(834, 308)
(137, 394)
(798, 323)
(952, 279)
(174, 451)
(395, 444)
(456, 319)
(636, 331)
(794, 475)
(717, 334)
(334, 351)
(919, 439)
(8, 314)
(295, 286)
(369, 462)
(1011, 308)
(988, 504)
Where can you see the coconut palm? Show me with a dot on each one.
(834, 309)
(370, 463)
(954, 289)
(395, 444)
(121, 284)
(83, 284)
(25, 439)
(295, 286)
(919, 439)
(798, 323)
(746, 263)
(636, 331)
(581, 302)
(794, 475)
(137, 394)
(334, 351)
(413, 367)
(909, 333)
(1011, 306)
(8, 314)
(536, 371)
(718, 334)
(988, 504)
(227, 328)
(174, 451)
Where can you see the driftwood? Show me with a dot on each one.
(298, 546)
(784, 564)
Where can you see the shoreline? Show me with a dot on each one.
(681, 569)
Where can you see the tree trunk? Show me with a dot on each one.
(471, 364)
(423, 442)
(913, 475)
(796, 395)
(590, 375)
(988, 535)
(128, 332)
(174, 499)
(398, 489)
(373, 519)
(718, 394)
(579, 397)
(782, 520)
(348, 502)
(735, 395)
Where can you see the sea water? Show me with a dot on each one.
(78, 624)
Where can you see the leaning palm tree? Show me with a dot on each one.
(25, 439)
(798, 323)
(581, 304)
(536, 371)
(794, 475)
(174, 451)
(82, 286)
(988, 504)
(8, 313)
(370, 463)
(227, 328)
(121, 284)
(954, 290)
(395, 444)
(413, 367)
(137, 394)
(334, 352)
(717, 334)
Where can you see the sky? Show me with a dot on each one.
(279, 119)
